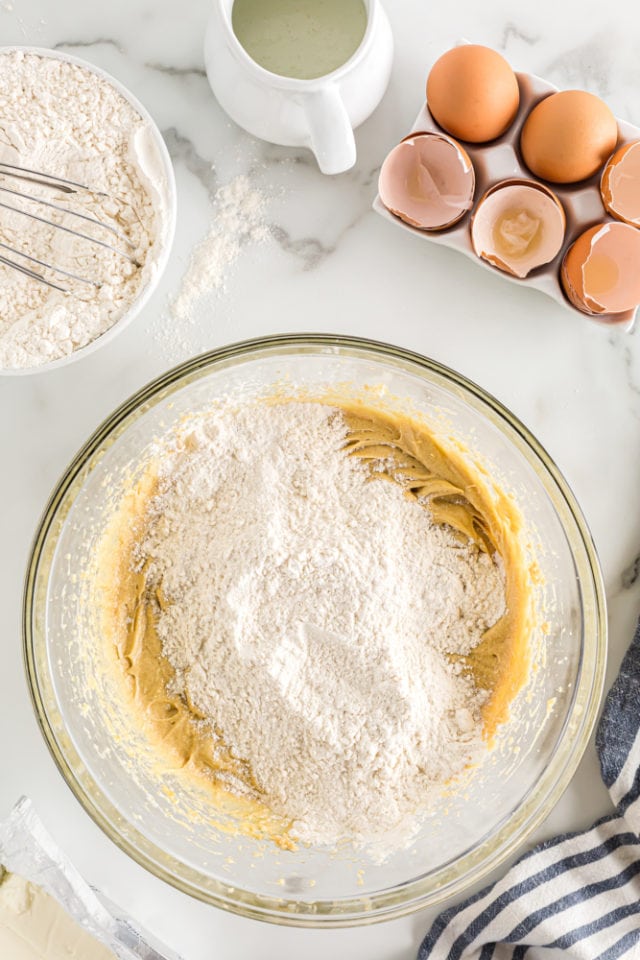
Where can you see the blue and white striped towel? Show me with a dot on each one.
(579, 892)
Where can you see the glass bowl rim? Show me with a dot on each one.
(406, 897)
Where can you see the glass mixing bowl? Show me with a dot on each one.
(159, 819)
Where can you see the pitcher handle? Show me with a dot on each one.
(330, 133)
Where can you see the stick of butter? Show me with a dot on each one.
(49, 912)
(33, 926)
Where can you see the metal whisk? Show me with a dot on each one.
(35, 208)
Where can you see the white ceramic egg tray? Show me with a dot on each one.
(501, 160)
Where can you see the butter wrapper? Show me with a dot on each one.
(28, 851)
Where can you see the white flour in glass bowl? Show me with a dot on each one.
(64, 117)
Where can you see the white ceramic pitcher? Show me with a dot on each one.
(319, 113)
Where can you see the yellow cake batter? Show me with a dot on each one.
(398, 449)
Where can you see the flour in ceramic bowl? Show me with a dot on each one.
(311, 614)
(62, 119)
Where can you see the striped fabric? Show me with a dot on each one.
(580, 892)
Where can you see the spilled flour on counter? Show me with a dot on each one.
(238, 220)
(309, 612)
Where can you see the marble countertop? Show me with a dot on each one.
(326, 263)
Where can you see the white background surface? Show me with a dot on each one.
(330, 265)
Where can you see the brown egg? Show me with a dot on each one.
(620, 185)
(428, 181)
(473, 93)
(600, 270)
(568, 136)
(518, 225)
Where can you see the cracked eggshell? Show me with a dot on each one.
(620, 186)
(427, 180)
(600, 272)
(518, 226)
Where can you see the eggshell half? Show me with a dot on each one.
(620, 185)
(518, 226)
(601, 270)
(428, 181)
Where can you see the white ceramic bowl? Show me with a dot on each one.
(169, 203)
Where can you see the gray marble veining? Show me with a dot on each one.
(328, 264)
